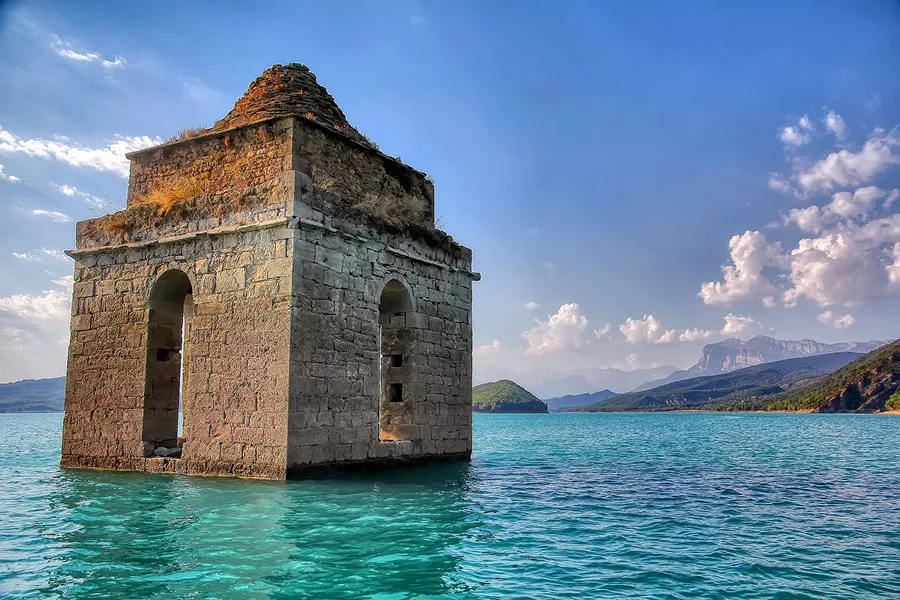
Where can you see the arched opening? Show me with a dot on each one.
(165, 392)
(395, 376)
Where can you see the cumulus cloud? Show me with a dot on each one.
(532, 306)
(567, 329)
(793, 136)
(837, 320)
(843, 206)
(751, 252)
(65, 50)
(835, 124)
(52, 214)
(695, 335)
(646, 331)
(846, 168)
(847, 265)
(737, 324)
(110, 157)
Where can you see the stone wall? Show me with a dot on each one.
(234, 162)
(238, 368)
(336, 400)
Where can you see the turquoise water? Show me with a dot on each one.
(551, 506)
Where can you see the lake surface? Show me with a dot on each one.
(551, 506)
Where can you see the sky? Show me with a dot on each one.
(636, 179)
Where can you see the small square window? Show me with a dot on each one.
(396, 392)
(396, 360)
(163, 354)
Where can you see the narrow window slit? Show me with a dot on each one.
(396, 392)
(396, 360)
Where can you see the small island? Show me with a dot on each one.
(505, 396)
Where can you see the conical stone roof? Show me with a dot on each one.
(284, 91)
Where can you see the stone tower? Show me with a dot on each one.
(281, 283)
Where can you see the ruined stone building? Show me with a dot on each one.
(282, 282)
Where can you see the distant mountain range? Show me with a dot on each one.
(577, 400)
(747, 385)
(33, 395)
(547, 383)
(731, 354)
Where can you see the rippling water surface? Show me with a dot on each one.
(551, 506)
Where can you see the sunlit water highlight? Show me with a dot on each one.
(551, 506)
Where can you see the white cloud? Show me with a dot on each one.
(845, 168)
(109, 158)
(695, 335)
(603, 332)
(416, 20)
(751, 252)
(28, 256)
(892, 197)
(793, 136)
(836, 320)
(549, 266)
(847, 265)
(532, 306)
(835, 124)
(737, 324)
(633, 362)
(71, 191)
(56, 216)
(54, 253)
(565, 330)
(856, 204)
(9, 178)
(12, 338)
(492, 348)
(53, 307)
(646, 331)
(807, 219)
(65, 50)
(778, 183)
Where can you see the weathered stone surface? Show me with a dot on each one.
(312, 338)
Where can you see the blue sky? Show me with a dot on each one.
(598, 157)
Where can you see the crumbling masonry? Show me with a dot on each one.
(281, 281)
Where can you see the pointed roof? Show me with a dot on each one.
(284, 91)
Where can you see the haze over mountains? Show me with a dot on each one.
(731, 354)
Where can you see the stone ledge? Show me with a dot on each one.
(177, 466)
(194, 235)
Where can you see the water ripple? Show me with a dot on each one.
(552, 506)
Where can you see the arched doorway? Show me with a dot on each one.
(395, 345)
(171, 308)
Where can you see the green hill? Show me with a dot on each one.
(33, 395)
(868, 384)
(741, 389)
(505, 396)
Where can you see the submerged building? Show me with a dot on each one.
(280, 282)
